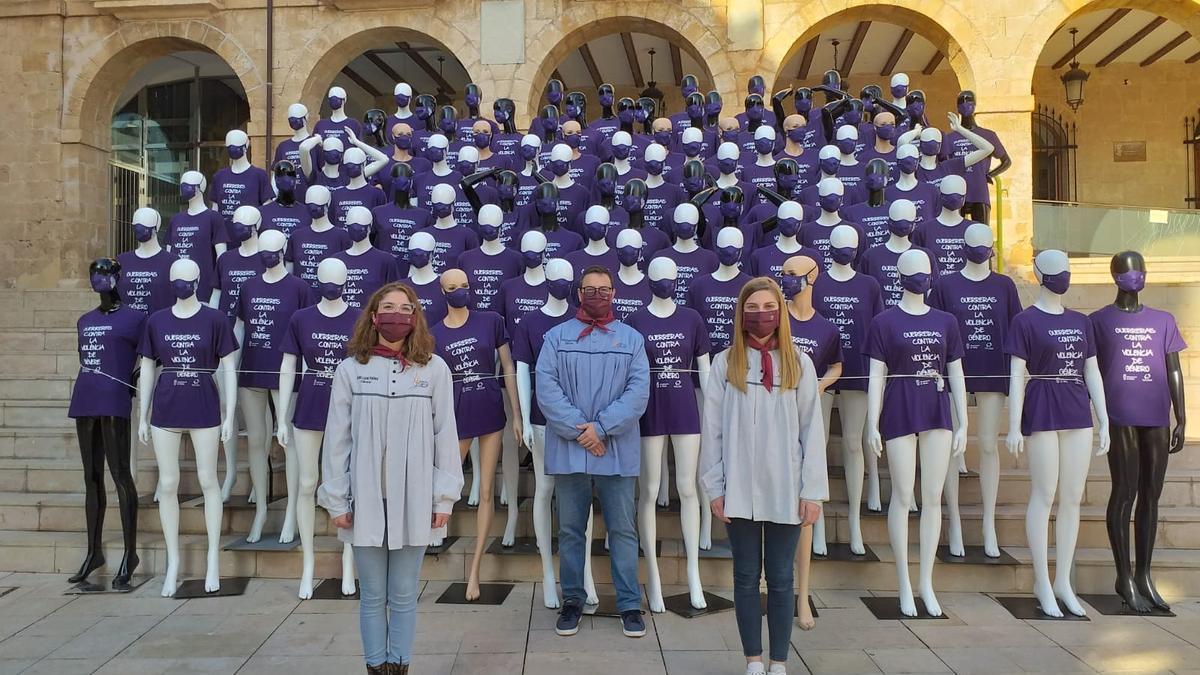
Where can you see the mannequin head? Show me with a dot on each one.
(374, 120)
(646, 108)
(843, 243)
(473, 96)
(793, 127)
(915, 271)
(832, 79)
(402, 94)
(931, 142)
(899, 85)
(953, 190)
(854, 113)
(625, 110)
(729, 129)
(531, 145)
(468, 159)
(966, 103)
(915, 103)
(285, 180)
(605, 95)
(694, 176)
(331, 151)
(876, 176)
(436, 147)
(358, 223)
(353, 162)
(576, 107)
(803, 101)
(789, 218)
(764, 140)
(829, 194)
(331, 278)
(712, 105)
(402, 175)
(629, 247)
(622, 145)
(595, 223)
(633, 197)
(684, 221)
(799, 273)
(979, 241)
(731, 202)
(655, 158)
(244, 224)
(297, 115)
(885, 126)
(756, 85)
(1053, 271)
(727, 158)
(549, 118)
(441, 201)
(870, 96)
(236, 142)
(693, 105)
(447, 120)
(606, 180)
(336, 98)
(545, 201)
(1128, 269)
(572, 134)
(192, 185)
(146, 222)
(507, 184)
(692, 142)
(829, 158)
(316, 197)
(560, 160)
(846, 139)
(502, 110)
(103, 274)
(902, 217)
(907, 158)
(754, 107)
(730, 242)
(420, 250)
(424, 110)
(490, 222)
(481, 134)
(185, 277)
(662, 273)
(554, 92)
(560, 277)
(533, 248)
(689, 85)
(660, 131)
(787, 175)
(402, 136)
(272, 243)
(455, 287)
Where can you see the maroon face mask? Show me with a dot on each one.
(393, 326)
(761, 324)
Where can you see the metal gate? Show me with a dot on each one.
(127, 187)
(1054, 175)
(1191, 161)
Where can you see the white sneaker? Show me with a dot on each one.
(777, 669)
(755, 668)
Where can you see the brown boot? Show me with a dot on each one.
(381, 669)
(399, 668)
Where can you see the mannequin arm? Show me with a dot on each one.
(377, 160)
(239, 333)
(1005, 163)
(1095, 387)
(1175, 384)
(306, 154)
(910, 136)
(510, 388)
(832, 373)
(777, 107)
(145, 396)
(878, 378)
(214, 300)
(958, 399)
(771, 195)
(814, 472)
(827, 119)
(984, 147)
(1016, 401)
(525, 399)
(229, 415)
(702, 197)
(704, 365)
(469, 183)
(290, 267)
(287, 382)
(896, 110)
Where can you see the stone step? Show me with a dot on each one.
(34, 340)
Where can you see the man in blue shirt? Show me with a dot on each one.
(593, 381)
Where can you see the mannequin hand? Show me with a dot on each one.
(809, 511)
(344, 521)
(354, 139)
(144, 432)
(1177, 436)
(439, 520)
(1015, 442)
(959, 445)
(875, 441)
(955, 121)
(718, 509)
(527, 435)
(281, 435)
(518, 432)
(1105, 441)
(226, 429)
(782, 94)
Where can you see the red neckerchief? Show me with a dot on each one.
(601, 323)
(764, 350)
(389, 353)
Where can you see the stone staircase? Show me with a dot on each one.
(42, 505)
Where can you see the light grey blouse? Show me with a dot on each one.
(763, 451)
(391, 433)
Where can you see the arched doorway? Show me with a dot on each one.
(1054, 147)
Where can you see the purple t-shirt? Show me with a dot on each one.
(189, 350)
(984, 310)
(851, 176)
(850, 305)
(394, 225)
(423, 184)
(289, 150)
(265, 310)
(880, 262)
(307, 248)
(653, 241)
(752, 234)
(145, 283)
(195, 237)
(1055, 348)
(233, 271)
(433, 300)
(343, 200)
(924, 196)
(921, 346)
(873, 221)
(868, 153)
(516, 299)
(815, 236)
(689, 267)
(954, 166)
(470, 352)
(717, 301)
(486, 272)
(334, 183)
(327, 128)
(449, 243)
(365, 274)
(581, 260)
(285, 219)
(108, 343)
(527, 345)
(758, 176)
(673, 344)
(559, 243)
(660, 205)
(572, 201)
(946, 244)
(1131, 349)
(976, 175)
(629, 298)
(229, 190)
(321, 341)
(819, 338)
(768, 261)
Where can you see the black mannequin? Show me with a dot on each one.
(546, 191)
(473, 95)
(756, 85)
(287, 194)
(754, 101)
(635, 189)
(712, 107)
(629, 107)
(606, 176)
(447, 123)
(695, 177)
(549, 118)
(647, 108)
(695, 103)
(576, 108)
(689, 85)
(605, 92)
(787, 178)
(554, 92)
(505, 110)
(508, 197)
(1137, 462)
(978, 211)
(402, 197)
(374, 120)
(870, 96)
(832, 86)
(426, 104)
(107, 439)
(877, 167)
(731, 195)
(914, 108)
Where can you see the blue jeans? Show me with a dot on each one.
(389, 582)
(574, 494)
(760, 547)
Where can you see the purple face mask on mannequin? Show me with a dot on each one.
(966, 108)
(501, 115)
(403, 142)
(899, 91)
(795, 135)
(907, 164)
(183, 289)
(830, 202)
(435, 154)
(572, 141)
(729, 255)
(712, 108)
(187, 191)
(607, 187)
(103, 283)
(329, 291)
(803, 105)
(621, 151)
(729, 135)
(353, 170)
(594, 231)
(726, 166)
(507, 192)
(458, 298)
(730, 210)
(625, 116)
(901, 228)
(531, 258)
(238, 232)
(764, 146)
(792, 285)
(1132, 281)
(489, 232)
(917, 108)
(654, 167)
(606, 100)
(554, 97)
(979, 254)
(357, 231)
(754, 113)
(316, 211)
(852, 117)
(875, 181)
(1057, 283)
(693, 148)
(915, 283)
(559, 289)
(788, 227)
(545, 206)
(842, 255)
(559, 168)
(464, 167)
(285, 183)
(628, 256)
(929, 148)
(481, 139)
(418, 258)
(663, 138)
(402, 100)
(639, 115)
(442, 210)
(695, 112)
(528, 153)
(142, 233)
(663, 288)
(446, 125)
(332, 157)
(693, 184)
(953, 201)
(472, 100)
(296, 123)
(829, 165)
(270, 259)
(885, 131)
(632, 203)
(845, 145)
(335, 102)
(787, 183)
(683, 230)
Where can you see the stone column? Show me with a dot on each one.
(1010, 118)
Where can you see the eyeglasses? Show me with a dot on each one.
(397, 309)
(593, 291)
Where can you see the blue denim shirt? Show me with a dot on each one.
(604, 378)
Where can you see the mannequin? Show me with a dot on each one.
(916, 340)
(264, 311)
(491, 263)
(1055, 347)
(984, 303)
(632, 211)
(872, 214)
(622, 159)
(190, 340)
(695, 180)
(663, 192)
(329, 172)
(755, 112)
(597, 251)
(424, 279)
(1137, 350)
(576, 108)
(880, 261)
(794, 132)
(762, 172)
(403, 152)
(932, 169)
(883, 131)
(572, 197)
(692, 116)
(550, 121)
(373, 122)
(555, 94)
(473, 344)
(503, 196)
(768, 260)
(442, 171)
(144, 282)
(979, 202)
(727, 166)
(358, 192)
(450, 238)
(542, 214)
(945, 236)
(712, 110)
(338, 125)
(677, 343)
(236, 267)
(473, 97)
(318, 335)
(583, 167)
(308, 246)
(604, 193)
(289, 148)
(101, 407)
(814, 136)
(446, 124)
(197, 232)
(240, 183)
(851, 300)
(914, 107)
(425, 122)
(600, 130)
(694, 144)
(558, 279)
(899, 89)
(907, 186)
(395, 222)
(815, 234)
(850, 170)
(402, 94)
(715, 295)
(528, 167)
(525, 293)
(828, 163)
(285, 213)
(368, 268)
(691, 261)
(506, 141)
(631, 288)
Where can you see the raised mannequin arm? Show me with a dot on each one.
(777, 107)
(958, 399)
(910, 136)
(702, 197)
(892, 108)
(306, 148)
(525, 397)
(1175, 384)
(378, 160)
(1016, 401)
(984, 147)
(771, 195)
(1095, 387)
(830, 112)
(287, 382)
(469, 183)
(145, 396)
(878, 377)
(229, 416)
(510, 388)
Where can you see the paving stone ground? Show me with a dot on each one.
(268, 630)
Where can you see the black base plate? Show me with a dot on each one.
(883, 513)
(194, 588)
(1027, 607)
(489, 594)
(331, 589)
(1113, 605)
(268, 542)
(720, 549)
(681, 604)
(598, 548)
(235, 503)
(606, 607)
(888, 609)
(446, 544)
(842, 553)
(762, 603)
(497, 507)
(147, 500)
(671, 507)
(974, 555)
(521, 546)
(102, 583)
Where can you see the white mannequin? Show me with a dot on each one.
(403, 89)
(901, 209)
(1058, 461)
(906, 182)
(204, 442)
(899, 80)
(687, 457)
(196, 204)
(150, 217)
(330, 170)
(936, 447)
(789, 209)
(951, 185)
(827, 152)
(732, 236)
(255, 412)
(492, 215)
(307, 447)
(686, 213)
(621, 139)
(728, 150)
(989, 406)
(825, 188)
(299, 111)
(629, 274)
(338, 114)
(847, 132)
(561, 152)
(655, 153)
(535, 438)
(534, 241)
(983, 148)
(238, 138)
(358, 156)
(596, 215)
(359, 215)
(424, 275)
(534, 165)
(442, 167)
(765, 131)
(691, 135)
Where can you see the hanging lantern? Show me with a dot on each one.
(1074, 79)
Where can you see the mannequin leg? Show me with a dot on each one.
(853, 409)
(1153, 445)
(254, 409)
(1075, 456)
(653, 450)
(817, 535)
(542, 492)
(291, 467)
(91, 452)
(1123, 467)
(116, 435)
(348, 585)
(902, 461)
(664, 483)
(473, 496)
(230, 447)
(489, 455)
(166, 453)
(935, 463)
(954, 536)
(687, 462)
(1041, 449)
(990, 407)
(803, 572)
(206, 443)
(511, 473)
(308, 452)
